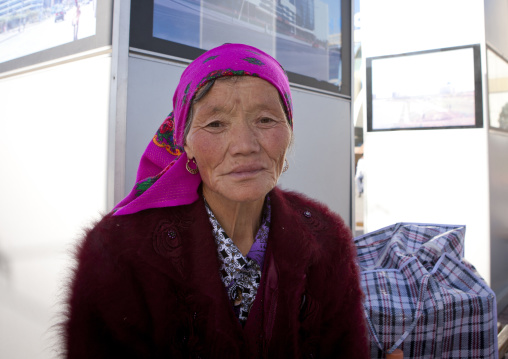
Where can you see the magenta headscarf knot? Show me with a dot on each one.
(162, 179)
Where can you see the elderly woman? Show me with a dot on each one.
(206, 257)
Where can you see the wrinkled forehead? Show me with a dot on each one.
(226, 61)
(226, 93)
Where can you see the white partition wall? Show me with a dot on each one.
(55, 81)
(152, 83)
(53, 152)
(447, 175)
(430, 176)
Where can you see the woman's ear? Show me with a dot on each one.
(188, 150)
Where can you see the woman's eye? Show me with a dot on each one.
(266, 120)
(214, 124)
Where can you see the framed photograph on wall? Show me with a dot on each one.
(310, 38)
(433, 89)
(35, 31)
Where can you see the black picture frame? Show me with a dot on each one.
(141, 29)
(478, 96)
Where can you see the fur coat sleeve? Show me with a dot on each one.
(147, 285)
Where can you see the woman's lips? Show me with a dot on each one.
(246, 171)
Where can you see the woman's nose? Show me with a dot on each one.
(244, 138)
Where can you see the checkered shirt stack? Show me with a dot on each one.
(422, 296)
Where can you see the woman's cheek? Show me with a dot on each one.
(206, 143)
(279, 140)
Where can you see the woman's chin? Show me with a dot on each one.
(240, 193)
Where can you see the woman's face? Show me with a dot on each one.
(239, 136)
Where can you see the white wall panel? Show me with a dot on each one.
(397, 26)
(430, 176)
(149, 100)
(53, 151)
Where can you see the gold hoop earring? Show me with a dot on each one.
(286, 165)
(192, 171)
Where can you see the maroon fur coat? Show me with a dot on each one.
(147, 285)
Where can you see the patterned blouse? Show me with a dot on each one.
(241, 274)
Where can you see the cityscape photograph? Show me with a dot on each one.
(29, 26)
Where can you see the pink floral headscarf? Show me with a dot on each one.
(162, 179)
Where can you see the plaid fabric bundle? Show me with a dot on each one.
(422, 297)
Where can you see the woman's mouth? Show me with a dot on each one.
(246, 171)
